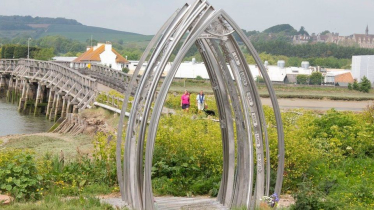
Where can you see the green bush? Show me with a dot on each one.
(187, 159)
(259, 79)
(365, 85)
(19, 175)
(72, 177)
(58, 203)
(350, 86)
(198, 77)
(316, 78)
(302, 79)
(355, 85)
(310, 198)
(125, 70)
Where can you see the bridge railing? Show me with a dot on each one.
(8, 65)
(112, 78)
(57, 77)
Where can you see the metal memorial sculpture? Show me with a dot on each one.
(246, 170)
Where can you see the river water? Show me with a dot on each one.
(13, 122)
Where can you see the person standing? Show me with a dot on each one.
(185, 101)
(200, 99)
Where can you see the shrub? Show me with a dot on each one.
(187, 159)
(355, 85)
(83, 174)
(309, 197)
(56, 202)
(259, 79)
(316, 78)
(125, 70)
(198, 77)
(302, 79)
(19, 175)
(365, 85)
(350, 86)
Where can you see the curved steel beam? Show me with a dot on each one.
(211, 31)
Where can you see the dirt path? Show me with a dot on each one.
(285, 103)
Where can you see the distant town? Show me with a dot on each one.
(364, 40)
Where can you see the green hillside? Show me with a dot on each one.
(286, 28)
(82, 33)
(21, 26)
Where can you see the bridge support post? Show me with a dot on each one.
(9, 92)
(64, 104)
(26, 97)
(22, 99)
(58, 107)
(53, 107)
(68, 106)
(75, 109)
(2, 81)
(16, 86)
(38, 98)
(14, 91)
(50, 101)
(18, 89)
(2, 85)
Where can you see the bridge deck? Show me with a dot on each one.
(174, 203)
(177, 203)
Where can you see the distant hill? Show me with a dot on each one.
(36, 27)
(286, 28)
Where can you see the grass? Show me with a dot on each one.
(53, 144)
(282, 91)
(92, 189)
(57, 203)
(311, 92)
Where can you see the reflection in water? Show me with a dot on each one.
(12, 122)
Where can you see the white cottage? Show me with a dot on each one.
(102, 54)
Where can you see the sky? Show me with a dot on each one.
(147, 16)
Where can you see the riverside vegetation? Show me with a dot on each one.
(329, 161)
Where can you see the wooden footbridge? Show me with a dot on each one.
(54, 88)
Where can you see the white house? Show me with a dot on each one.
(102, 54)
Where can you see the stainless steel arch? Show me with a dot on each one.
(212, 32)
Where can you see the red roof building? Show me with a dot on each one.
(102, 54)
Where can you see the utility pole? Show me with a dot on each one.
(28, 48)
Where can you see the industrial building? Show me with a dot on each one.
(363, 65)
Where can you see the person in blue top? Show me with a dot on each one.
(200, 99)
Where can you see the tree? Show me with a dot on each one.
(20, 51)
(325, 32)
(125, 70)
(43, 54)
(198, 77)
(350, 86)
(259, 79)
(7, 51)
(355, 85)
(365, 85)
(302, 31)
(316, 78)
